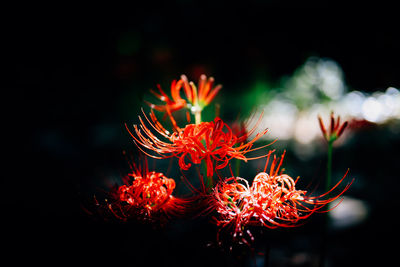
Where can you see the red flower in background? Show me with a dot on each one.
(271, 201)
(146, 195)
(335, 130)
(171, 105)
(213, 142)
(196, 97)
(203, 94)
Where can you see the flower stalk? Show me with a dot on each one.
(335, 131)
(197, 116)
(329, 166)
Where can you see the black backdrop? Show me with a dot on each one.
(75, 73)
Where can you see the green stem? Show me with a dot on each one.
(324, 234)
(197, 116)
(237, 165)
(329, 167)
(209, 183)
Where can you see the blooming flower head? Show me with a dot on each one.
(171, 105)
(197, 97)
(231, 202)
(203, 94)
(145, 195)
(335, 130)
(271, 201)
(212, 141)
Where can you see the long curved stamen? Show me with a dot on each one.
(210, 141)
(271, 201)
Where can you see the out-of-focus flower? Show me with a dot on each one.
(145, 196)
(196, 97)
(317, 87)
(214, 142)
(171, 105)
(271, 201)
(335, 130)
(203, 94)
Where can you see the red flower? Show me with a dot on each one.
(197, 98)
(171, 105)
(203, 94)
(213, 142)
(146, 195)
(271, 201)
(335, 130)
(231, 201)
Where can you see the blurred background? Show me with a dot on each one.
(76, 77)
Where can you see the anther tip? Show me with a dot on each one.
(183, 77)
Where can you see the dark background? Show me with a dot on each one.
(76, 76)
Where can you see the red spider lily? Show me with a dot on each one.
(203, 94)
(335, 130)
(197, 97)
(171, 105)
(231, 201)
(146, 195)
(213, 142)
(271, 201)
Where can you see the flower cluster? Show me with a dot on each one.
(146, 195)
(271, 201)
